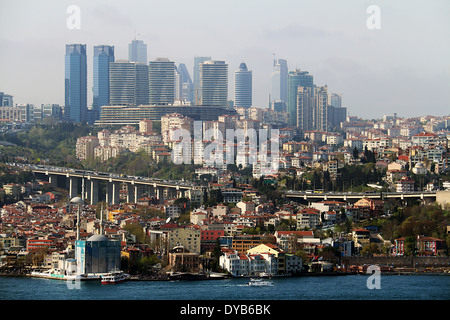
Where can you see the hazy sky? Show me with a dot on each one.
(403, 67)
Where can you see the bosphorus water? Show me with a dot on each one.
(349, 287)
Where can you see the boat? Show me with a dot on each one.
(260, 283)
(114, 277)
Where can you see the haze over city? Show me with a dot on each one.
(401, 67)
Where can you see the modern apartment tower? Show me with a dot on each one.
(296, 79)
(243, 87)
(213, 76)
(75, 108)
(137, 51)
(279, 81)
(161, 82)
(312, 108)
(128, 83)
(103, 56)
(197, 62)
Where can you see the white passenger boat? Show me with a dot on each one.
(260, 283)
(114, 277)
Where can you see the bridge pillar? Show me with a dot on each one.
(160, 194)
(94, 192)
(115, 193)
(137, 192)
(53, 180)
(87, 189)
(130, 193)
(108, 195)
(73, 187)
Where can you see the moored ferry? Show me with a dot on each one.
(114, 277)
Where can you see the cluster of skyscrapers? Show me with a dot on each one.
(309, 107)
(135, 82)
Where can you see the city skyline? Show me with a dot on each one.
(406, 59)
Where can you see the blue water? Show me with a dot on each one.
(350, 287)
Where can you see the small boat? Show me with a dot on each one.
(260, 283)
(114, 277)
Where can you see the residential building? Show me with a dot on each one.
(85, 147)
(243, 243)
(75, 107)
(188, 238)
(308, 218)
(171, 122)
(406, 184)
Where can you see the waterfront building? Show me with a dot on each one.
(75, 107)
(129, 83)
(188, 238)
(97, 254)
(243, 87)
(213, 90)
(137, 51)
(161, 82)
(103, 56)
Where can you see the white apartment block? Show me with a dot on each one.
(173, 121)
(308, 218)
(85, 147)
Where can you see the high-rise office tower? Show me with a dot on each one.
(75, 83)
(103, 56)
(128, 83)
(137, 51)
(161, 82)
(187, 86)
(213, 89)
(295, 79)
(197, 61)
(279, 81)
(243, 87)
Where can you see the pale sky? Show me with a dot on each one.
(403, 67)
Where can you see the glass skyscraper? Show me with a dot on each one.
(128, 83)
(213, 76)
(137, 51)
(187, 86)
(75, 83)
(296, 79)
(279, 80)
(243, 87)
(103, 56)
(161, 81)
(197, 62)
